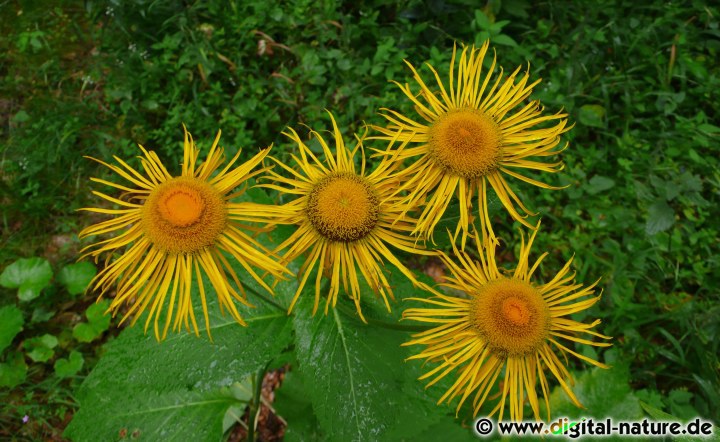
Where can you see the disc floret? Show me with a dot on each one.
(184, 215)
(465, 142)
(343, 207)
(511, 316)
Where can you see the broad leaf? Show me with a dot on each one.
(40, 349)
(293, 405)
(70, 366)
(599, 184)
(592, 115)
(97, 323)
(175, 389)
(28, 275)
(357, 380)
(660, 217)
(76, 277)
(183, 387)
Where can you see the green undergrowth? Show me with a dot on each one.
(639, 81)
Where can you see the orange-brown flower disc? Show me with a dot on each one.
(183, 215)
(343, 207)
(181, 206)
(465, 142)
(511, 316)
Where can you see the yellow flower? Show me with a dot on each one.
(344, 220)
(171, 228)
(475, 132)
(505, 324)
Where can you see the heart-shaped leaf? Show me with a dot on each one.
(70, 366)
(28, 275)
(40, 349)
(97, 323)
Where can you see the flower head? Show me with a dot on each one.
(345, 219)
(169, 230)
(475, 132)
(504, 325)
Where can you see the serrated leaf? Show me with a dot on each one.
(292, 403)
(357, 379)
(70, 366)
(76, 277)
(690, 182)
(28, 275)
(598, 184)
(660, 217)
(11, 323)
(173, 389)
(13, 370)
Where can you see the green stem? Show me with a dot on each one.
(255, 403)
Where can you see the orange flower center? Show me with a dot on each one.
(181, 206)
(516, 311)
(465, 142)
(184, 215)
(343, 207)
(511, 316)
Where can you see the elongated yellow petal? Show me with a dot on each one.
(478, 128)
(166, 226)
(497, 323)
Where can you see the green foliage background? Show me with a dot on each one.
(641, 83)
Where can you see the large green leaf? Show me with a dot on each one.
(357, 380)
(181, 389)
(175, 389)
(293, 405)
